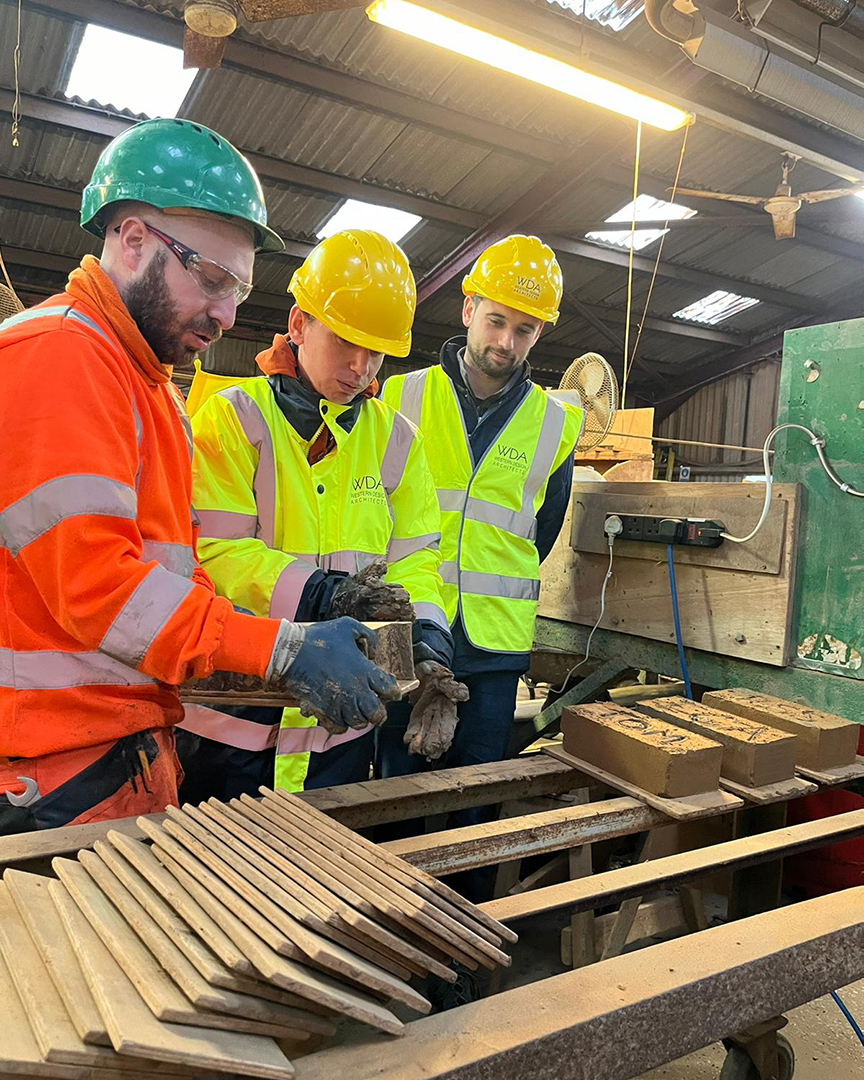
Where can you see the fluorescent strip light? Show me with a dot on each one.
(646, 209)
(497, 52)
(715, 307)
(129, 73)
(353, 214)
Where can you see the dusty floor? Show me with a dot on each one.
(825, 1046)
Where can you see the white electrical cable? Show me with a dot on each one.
(815, 440)
(615, 523)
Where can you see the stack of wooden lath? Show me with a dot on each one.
(243, 924)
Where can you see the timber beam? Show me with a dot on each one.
(631, 1013)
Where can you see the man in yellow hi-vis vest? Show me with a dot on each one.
(303, 481)
(501, 454)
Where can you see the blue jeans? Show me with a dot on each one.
(482, 736)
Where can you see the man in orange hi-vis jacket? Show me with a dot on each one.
(105, 609)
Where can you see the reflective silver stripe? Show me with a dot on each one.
(64, 497)
(411, 404)
(548, 441)
(144, 614)
(513, 588)
(230, 730)
(289, 588)
(177, 558)
(50, 670)
(139, 434)
(264, 484)
(314, 740)
(500, 517)
(401, 549)
(433, 613)
(395, 456)
(449, 573)
(226, 525)
(183, 416)
(64, 311)
(451, 499)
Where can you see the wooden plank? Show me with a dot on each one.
(738, 507)
(658, 757)
(683, 809)
(222, 906)
(652, 918)
(617, 885)
(629, 436)
(262, 1018)
(399, 905)
(741, 613)
(263, 698)
(325, 886)
(286, 934)
(135, 1031)
(206, 961)
(32, 898)
(459, 938)
(824, 741)
(833, 777)
(56, 1037)
(157, 987)
(423, 883)
(618, 1019)
(20, 1055)
(753, 754)
(531, 834)
(770, 793)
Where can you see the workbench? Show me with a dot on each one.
(604, 1021)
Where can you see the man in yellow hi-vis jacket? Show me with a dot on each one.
(302, 479)
(501, 453)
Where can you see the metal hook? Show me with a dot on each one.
(30, 795)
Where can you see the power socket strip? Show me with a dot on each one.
(695, 532)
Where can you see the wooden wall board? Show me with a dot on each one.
(205, 960)
(135, 1031)
(738, 506)
(737, 613)
(260, 1017)
(314, 988)
(327, 890)
(286, 933)
(628, 437)
(32, 898)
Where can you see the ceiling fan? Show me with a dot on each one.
(782, 205)
(209, 23)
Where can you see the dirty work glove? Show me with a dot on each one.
(325, 667)
(433, 718)
(366, 596)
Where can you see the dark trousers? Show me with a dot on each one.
(482, 736)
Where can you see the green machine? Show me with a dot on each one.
(821, 388)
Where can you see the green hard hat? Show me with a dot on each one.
(169, 163)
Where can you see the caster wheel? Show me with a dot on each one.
(739, 1066)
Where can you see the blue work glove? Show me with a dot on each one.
(322, 665)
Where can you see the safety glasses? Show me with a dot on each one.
(212, 278)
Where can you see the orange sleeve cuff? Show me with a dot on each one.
(246, 644)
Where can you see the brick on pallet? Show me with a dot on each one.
(656, 756)
(824, 741)
(754, 754)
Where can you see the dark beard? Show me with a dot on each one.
(483, 363)
(149, 303)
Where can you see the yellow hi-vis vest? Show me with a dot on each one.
(269, 520)
(490, 566)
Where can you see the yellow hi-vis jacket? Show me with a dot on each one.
(269, 520)
(490, 566)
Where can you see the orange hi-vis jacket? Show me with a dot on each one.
(103, 607)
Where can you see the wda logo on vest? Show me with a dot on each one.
(367, 489)
(511, 458)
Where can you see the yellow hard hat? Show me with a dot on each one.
(359, 284)
(520, 272)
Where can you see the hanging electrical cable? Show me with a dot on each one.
(676, 618)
